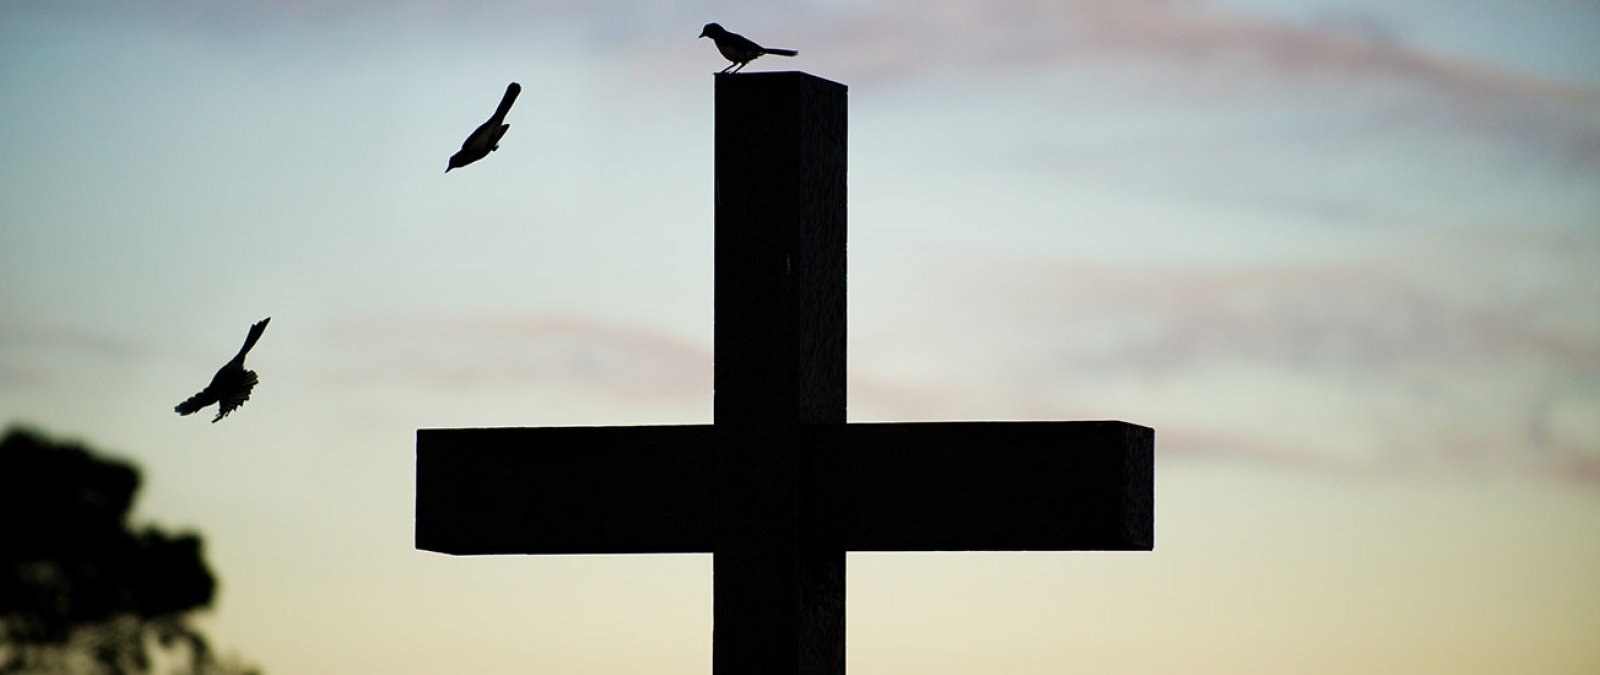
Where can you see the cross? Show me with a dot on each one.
(779, 487)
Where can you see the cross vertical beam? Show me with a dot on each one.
(780, 365)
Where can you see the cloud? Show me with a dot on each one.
(614, 359)
(1335, 115)
(1334, 364)
(897, 37)
(1164, 53)
(1166, 321)
(1340, 316)
(74, 341)
(37, 357)
(902, 36)
(1342, 367)
(557, 350)
(1347, 370)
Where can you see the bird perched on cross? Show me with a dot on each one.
(738, 48)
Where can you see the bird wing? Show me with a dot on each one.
(743, 44)
(481, 140)
(236, 395)
(200, 400)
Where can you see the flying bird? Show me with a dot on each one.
(486, 138)
(231, 386)
(738, 48)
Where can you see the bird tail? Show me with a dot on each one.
(780, 52)
(255, 334)
(505, 102)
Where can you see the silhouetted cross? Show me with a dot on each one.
(778, 488)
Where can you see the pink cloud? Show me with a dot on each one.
(1427, 377)
(617, 359)
(1199, 318)
(1160, 53)
(625, 360)
(904, 36)
(1366, 316)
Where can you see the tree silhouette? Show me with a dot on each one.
(81, 589)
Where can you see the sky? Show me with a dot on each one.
(1339, 254)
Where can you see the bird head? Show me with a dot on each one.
(455, 163)
(712, 30)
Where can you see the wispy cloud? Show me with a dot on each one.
(901, 36)
(24, 338)
(1322, 315)
(559, 349)
(1346, 368)
(1328, 364)
(616, 359)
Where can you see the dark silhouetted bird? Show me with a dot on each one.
(738, 48)
(231, 386)
(486, 138)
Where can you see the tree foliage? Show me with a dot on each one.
(81, 589)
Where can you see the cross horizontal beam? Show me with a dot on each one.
(944, 486)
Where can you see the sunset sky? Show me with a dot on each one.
(1341, 255)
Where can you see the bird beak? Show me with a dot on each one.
(702, 34)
